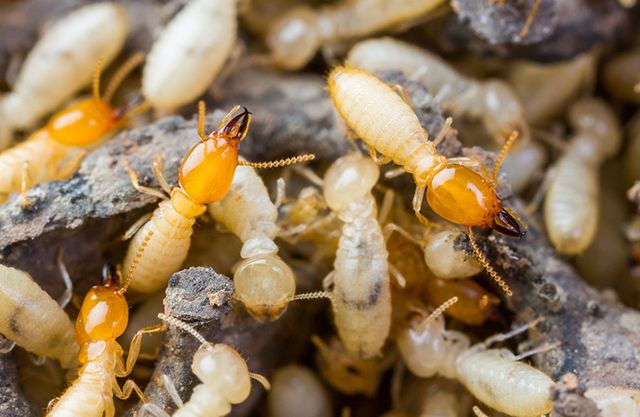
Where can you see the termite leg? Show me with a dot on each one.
(134, 349)
(380, 160)
(158, 171)
(540, 192)
(171, 389)
(109, 407)
(396, 172)
(327, 281)
(6, 345)
(133, 229)
(397, 275)
(418, 196)
(280, 192)
(133, 176)
(385, 208)
(501, 337)
(126, 390)
(262, 380)
(402, 92)
(540, 349)
(25, 184)
(153, 409)
(64, 299)
(478, 412)
(309, 175)
(446, 126)
(389, 228)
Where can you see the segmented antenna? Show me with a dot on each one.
(122, 73)
(201, 114)
(184, 326)
(279, 163)
(503, 153)
(312, 296)
(486, 265)
(96, 79)
(530, 18)
(438, 311)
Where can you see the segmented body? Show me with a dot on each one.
(498, 380)
(33, 320)
(90, 395)
(204, 402)
(160, 247)
(493, 100)
(361, 293)
(46, 160)
(189, 53)
(385, 122)
(63, 61)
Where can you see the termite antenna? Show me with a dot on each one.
(503, 153)
(261, 379)
(279, 163)
(122, 73)
(438, 311)
(312, 296)
(96, 79)
(486, 265)
(183, 326)
(202, 108)
(320, 345)
(530, 18)
(478, 412)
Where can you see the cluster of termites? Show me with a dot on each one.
(407, 279)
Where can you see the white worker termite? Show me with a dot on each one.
(189, 54)
(493, 101)
(31, 319)
(493, 376)
(263, 282)
(62, 62)
(225, 380)
(297, 390)
(571, 201)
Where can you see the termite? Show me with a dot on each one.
(296, 36)
(296, 390)
(30, 318)
(62, 61)
(345, 372)
(494, 376)
(263, 282)
(571, 201)
(103, 317)
(160, 246)
(388, 125)
(225, 378)
(189, 53)
(360, 296)
(493, 101)
(433, 397)
(621, 76)
(55, 151)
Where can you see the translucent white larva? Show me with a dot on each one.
(33, 320)
(361, 296)
(296, 390)
(571, 202)
(63, 61)
(263, 281)
(492, 101)
(295, 37)
(444, 259)
(189, 53)
(615, 401)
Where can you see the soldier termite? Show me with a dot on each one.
(160, 246)
(225, 378)
(33, 320)
(571, 201)
(493, 101)
(296, 390)
(62, 62)
(295, 37)
(55, 151)
(388, 125)
(345, 372)
(263, 282)
(494, 376)
(189, 53)
(103, 317)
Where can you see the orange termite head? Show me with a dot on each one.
(207, 170)
(462, 196)
(103, 316)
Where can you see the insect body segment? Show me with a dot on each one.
(33, 320)
(103, 317)
(492, 101)
(571, 203)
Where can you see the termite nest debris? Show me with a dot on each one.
(357, 208)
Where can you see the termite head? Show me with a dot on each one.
(220, 366)
(85, 122)
(293, 39)
(464, 197)
(208, 168)
(103, 317)
(265, 285)
(348, 179)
